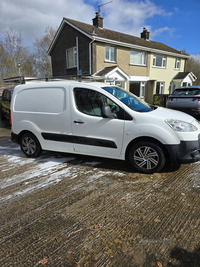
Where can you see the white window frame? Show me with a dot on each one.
(143, 58)
(117, 83)
(171, 88)
(74, 59)
(142, 89)
(109, 58)
(163, 64)
(161, 88)
(177, 64)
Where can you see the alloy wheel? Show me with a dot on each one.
(28, 146)
(146, 157)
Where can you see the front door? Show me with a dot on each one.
(93, 134)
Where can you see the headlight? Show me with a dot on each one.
(181, 126)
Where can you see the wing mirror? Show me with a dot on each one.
(106, 113)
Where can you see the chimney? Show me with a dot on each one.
(145, 34)
(98, 21)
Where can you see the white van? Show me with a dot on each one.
(101, 120)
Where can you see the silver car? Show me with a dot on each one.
(186, 99)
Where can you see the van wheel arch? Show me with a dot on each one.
(19, 136)
(145, 139)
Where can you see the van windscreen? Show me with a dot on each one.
(129, 99)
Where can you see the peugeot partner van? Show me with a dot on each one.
(101, 120)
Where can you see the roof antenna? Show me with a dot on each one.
(99, 9)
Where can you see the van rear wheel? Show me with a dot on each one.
(30, 145)
(147, 157)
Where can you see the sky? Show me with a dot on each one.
(172, 22)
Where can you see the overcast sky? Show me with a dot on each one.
(172, 22)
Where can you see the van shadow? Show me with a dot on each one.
(9, 148)
(185, 258)
(178, 257)
(90, 161)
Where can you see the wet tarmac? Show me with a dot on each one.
(68, 210)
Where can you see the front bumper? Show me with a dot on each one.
(185, 152)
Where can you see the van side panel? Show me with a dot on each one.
(43, 110)
(41, 100)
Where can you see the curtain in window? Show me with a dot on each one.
(70, 58)
(138, 58)
(112, 54)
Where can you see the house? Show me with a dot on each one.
(139, 65)
(183, 79)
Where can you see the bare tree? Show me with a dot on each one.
(43, 61)
(194, 66)
(13, 52)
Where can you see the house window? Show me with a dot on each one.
(184, 84)
(71, 56)
(117, 83)
(159, 88)
(138, 58)
(172, 87)
(110, 53)
(137, 88)
(177, 63)
(120, 83)
(159, 61)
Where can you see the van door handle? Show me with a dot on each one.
(79, 122)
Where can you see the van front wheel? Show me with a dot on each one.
(30, 145)
(147, 157)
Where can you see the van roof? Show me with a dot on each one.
(60, 83)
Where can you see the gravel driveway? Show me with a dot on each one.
(68, 210)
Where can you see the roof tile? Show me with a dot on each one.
(121, 37)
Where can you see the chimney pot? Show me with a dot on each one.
(98, 21)
(145, 34)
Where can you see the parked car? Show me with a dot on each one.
(101, 120)
(5, 103)
(186, 99)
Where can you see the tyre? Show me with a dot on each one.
(30, 145)
(147, 157)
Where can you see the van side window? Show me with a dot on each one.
(90, 102)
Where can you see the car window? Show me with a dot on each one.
(91, 102)
(7, 94)
(129, 99)
(186, 91)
